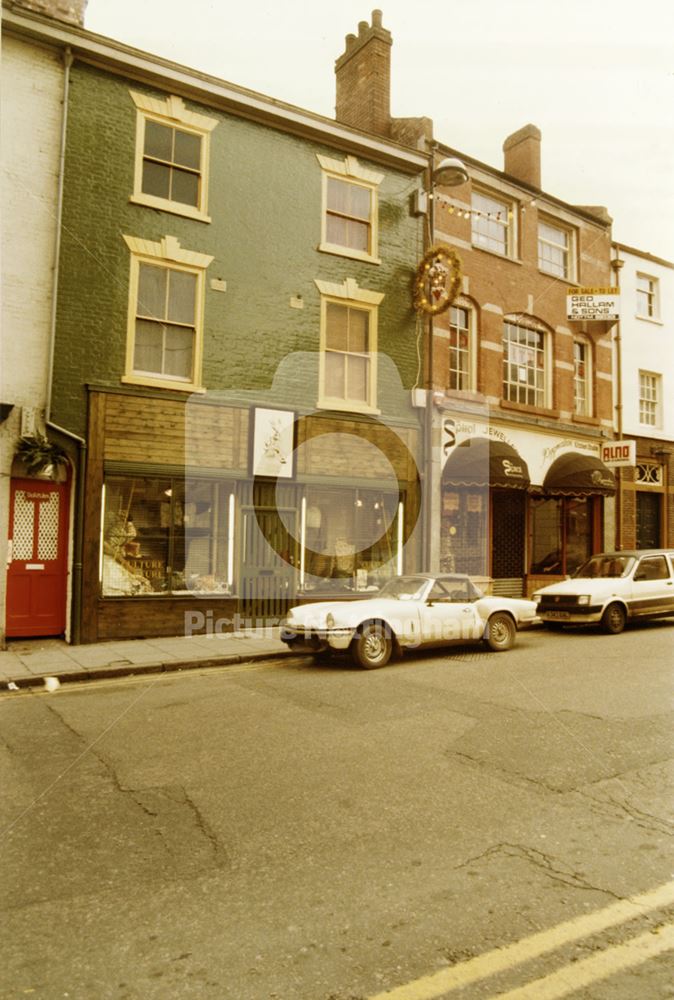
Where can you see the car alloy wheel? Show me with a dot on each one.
(500, 633)
(373, 645)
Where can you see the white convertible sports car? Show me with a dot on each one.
(407, 613)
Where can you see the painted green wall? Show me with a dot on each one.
(265, 206)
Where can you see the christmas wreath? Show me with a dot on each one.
(437, 281)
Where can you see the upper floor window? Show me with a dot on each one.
(525, 364)
(350, 209)
(461, 351)
(348, 347)
(172, 155)
(493, 224)
(555, 250)
(165, 324)
(649, 398)
(582, 378)
(647, 296)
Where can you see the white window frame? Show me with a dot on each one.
(520, 387)
(172, 113)
(650, 297)
(567, 248)
(351, 171)
(349, 294)
(167, 254)
(650, 398)
(471, 351)
(585, 410)
(495, 212)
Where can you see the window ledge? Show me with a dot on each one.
(655, 320)
(161, 383)
(164, 205)
(557, 277)
(581, 418)
(495, 253)
(538, 411)
(347, 406)
(334, 248)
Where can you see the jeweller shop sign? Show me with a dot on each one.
(593, 304)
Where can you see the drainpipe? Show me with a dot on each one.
(617, 265)
(428, 477)
(78, 520)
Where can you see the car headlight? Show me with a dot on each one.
(329, 620)
(583, 599)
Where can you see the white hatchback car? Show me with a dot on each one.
(408, 612)
(611, 589)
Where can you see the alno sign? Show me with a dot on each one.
(593, 304)
(616, 453)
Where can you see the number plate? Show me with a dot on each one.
(557, 614)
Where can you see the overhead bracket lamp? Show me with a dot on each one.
(450, 172)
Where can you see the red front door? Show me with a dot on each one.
(36, 578)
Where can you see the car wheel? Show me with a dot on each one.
(500, 633)
(614, 618)
(372, 646)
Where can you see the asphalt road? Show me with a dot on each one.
(465, 825)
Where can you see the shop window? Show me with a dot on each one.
(165, 322)
(561, 534)
(166, 536)
(464, 534)
(525, 364)
(350, 209)
(493, 224)
(172, 156)
(351, 539)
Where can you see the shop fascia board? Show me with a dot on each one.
(123, 60)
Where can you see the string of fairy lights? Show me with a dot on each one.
(461, 211)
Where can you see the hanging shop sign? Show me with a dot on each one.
(617, 453)
(593, 304)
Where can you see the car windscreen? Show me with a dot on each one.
(404, 588)
(605, 567)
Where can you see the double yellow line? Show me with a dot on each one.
(571, 977)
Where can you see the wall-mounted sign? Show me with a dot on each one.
(593, 304)
(273, 438)
(615, 453)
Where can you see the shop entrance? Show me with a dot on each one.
(648, 520)
(507, 532)
(269, 557)
(37, 573)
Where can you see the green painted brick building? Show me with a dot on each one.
(235, 344)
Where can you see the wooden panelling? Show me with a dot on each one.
(355, 448)
(139, 618)
(92, 519)
(168, 432)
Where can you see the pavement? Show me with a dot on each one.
(30, 663)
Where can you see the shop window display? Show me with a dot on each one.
(165, 536)
(350, 539)
(561, 534)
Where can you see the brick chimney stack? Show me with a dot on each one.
(363, 74)
(522, 155)
(71, 11)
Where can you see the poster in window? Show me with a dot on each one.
(273, 438)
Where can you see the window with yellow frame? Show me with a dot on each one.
(165, 318)
(350, 210)
(172, 156)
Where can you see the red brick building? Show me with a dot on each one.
(521, 396)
